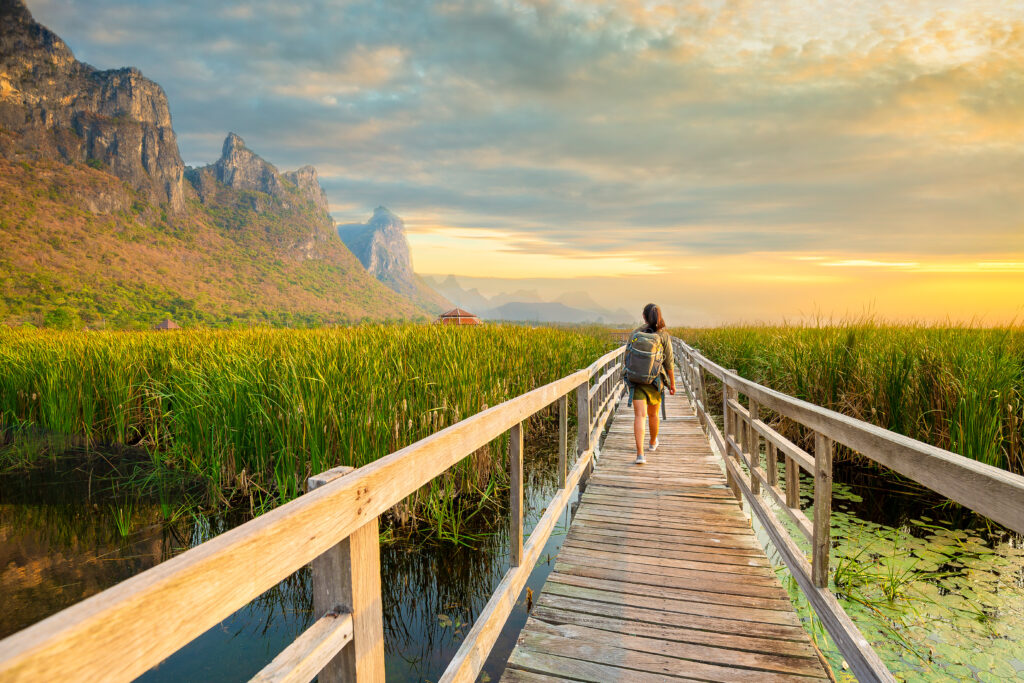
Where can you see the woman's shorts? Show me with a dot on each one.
(645, 392)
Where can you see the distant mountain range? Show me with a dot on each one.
(528, 305)
(102, 223)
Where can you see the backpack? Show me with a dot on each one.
(644, 356)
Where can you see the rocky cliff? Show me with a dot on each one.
(53, 106)
(381, 246)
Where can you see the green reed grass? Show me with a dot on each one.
(959, 388)
(254, 413)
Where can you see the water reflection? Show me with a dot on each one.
(63, 539)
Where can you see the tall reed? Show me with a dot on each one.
(959, 388)
(254, 413)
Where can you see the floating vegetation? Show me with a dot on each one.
(939, 598)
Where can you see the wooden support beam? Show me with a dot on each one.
(563, 436)
(583, 427)
(515, 466)
(731, 423)
(346, 578)
(822, 509)
(754, 444)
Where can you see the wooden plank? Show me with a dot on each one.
(579, 670)
(755, 605)
(674, 633)
(657, 656)
(164, 608)
(754, 573)
(515, 466)
(706, 609)
(802, 457)
(563, 435)
(822, 542)
(310, 652)
(469, 659)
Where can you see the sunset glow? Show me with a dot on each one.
(745, 161)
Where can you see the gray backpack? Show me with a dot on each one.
(644, 356)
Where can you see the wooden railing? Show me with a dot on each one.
(133, 626)
(988, 490)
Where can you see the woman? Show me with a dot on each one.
(647, 397)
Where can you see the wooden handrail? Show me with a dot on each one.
(988, 490)
(985, 489)
(155, 613)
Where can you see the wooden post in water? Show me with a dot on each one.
(583, 428)
(515, 466)
(754, 443)
(346, 578)
(563, 437)
(822, 509)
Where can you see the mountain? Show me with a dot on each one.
(541, 312)
(381, 246)
(54, 107)
(528, 305)
(102, 223)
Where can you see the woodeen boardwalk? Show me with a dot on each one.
(661, 577)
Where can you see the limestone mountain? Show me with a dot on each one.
(381, 246)
(54, 107)
(99, 225)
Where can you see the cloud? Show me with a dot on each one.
(883, 131)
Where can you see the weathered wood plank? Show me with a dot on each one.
(661, 575)
(309, 653)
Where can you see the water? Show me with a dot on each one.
(63, 538)
(938, 590)
(935, 588)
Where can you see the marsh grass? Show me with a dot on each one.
(252, 414)
(958, 388)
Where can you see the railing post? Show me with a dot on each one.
(346, 578)
(583, 427)
(563, 436)
(772, 457)
(822, 509)
(754, 443)
(515, 466)
(729, 427)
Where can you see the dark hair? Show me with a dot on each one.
(652, 316)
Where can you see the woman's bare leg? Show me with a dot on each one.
(639, 411)
(652, 416)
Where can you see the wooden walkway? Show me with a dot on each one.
(661, 577)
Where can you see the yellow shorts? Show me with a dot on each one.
(646, 392)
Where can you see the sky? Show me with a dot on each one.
(732, 161)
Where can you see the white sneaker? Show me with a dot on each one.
(654, 446)
(640, 459)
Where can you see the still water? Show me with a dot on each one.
(63, 539)
(938, 590)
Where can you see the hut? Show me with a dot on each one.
(457, 316)
(167, 324)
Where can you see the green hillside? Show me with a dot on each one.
(82, 248)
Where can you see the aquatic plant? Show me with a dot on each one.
(958, 388)
(253, 413)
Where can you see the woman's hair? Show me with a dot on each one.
(653, 319)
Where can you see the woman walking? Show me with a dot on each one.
(646, 397)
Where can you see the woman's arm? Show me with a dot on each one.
(671, 381)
